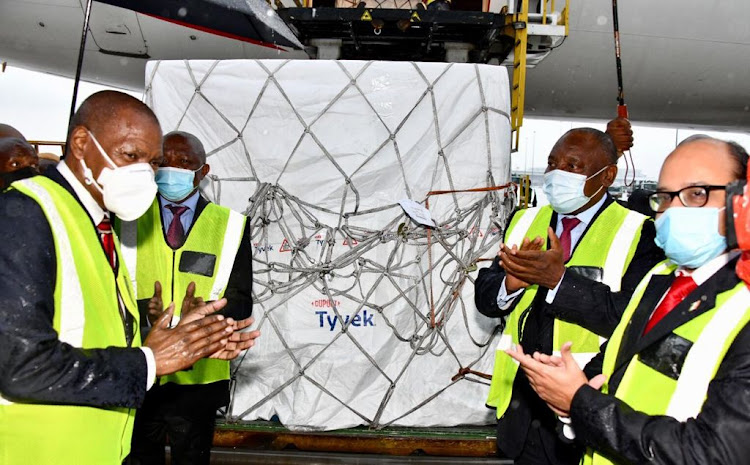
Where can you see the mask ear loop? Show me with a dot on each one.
(88, 175)
(596, 174)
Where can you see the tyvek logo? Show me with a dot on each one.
(330, 320)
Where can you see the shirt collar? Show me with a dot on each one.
(587, 215)
(96, 212)
(190, 202)
(701, 274)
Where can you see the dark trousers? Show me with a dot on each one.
(536, 450)
(183, 417)
(528, 432)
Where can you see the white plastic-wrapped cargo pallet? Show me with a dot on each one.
(367, 317)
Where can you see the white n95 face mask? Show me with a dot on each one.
(564, 190)
(128, 191)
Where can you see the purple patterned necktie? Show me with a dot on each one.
(175, 232)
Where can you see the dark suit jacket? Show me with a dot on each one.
(240, 286)
(719, 433)
(34, 365)
(603, 310)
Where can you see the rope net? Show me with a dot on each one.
(367, 317)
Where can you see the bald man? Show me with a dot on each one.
(6, 130)
(73, 368)
(675, 372)
(183, 238)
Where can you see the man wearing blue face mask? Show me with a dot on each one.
(674, 375)
(185, 240)
(561, 289)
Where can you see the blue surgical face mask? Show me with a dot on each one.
(564, 190)
(175, 184)
(690, 236)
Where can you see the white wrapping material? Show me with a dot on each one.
(322, 143)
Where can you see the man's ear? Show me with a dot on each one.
(201, 174)
(79, 137)
(610, 174)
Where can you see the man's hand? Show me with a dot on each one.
(555, 379)
(621, 133)
(155, 305)
(512, 282)
(542, 267)
(180, 347)
(239, 340)
(190, 302)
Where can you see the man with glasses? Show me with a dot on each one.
(578, 251)
(674, 379)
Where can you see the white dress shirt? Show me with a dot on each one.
(97, 214)
(187, 218)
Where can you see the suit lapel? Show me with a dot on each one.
(696, 303)
(200, 206)
(607, 202)
(701, 300)
(202, 203)
(656, 288)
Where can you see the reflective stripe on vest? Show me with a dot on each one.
(616, 231)
(72, 318)
(617, 256)
(232, 238)
(519, 230)
(74, 434)
(707, 351)
(711, 334)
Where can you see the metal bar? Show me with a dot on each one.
(81, 51)
(518, 88)
(618, 59)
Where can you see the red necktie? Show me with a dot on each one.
(105, 233)
(681, 287)
(565, 242)
(175, 231)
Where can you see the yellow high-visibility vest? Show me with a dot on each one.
(609, 244)
(654, 393)
(87, 315)
(206, 258)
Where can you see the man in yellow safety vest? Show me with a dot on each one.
(183, 238)
(73, 367)
(566, 288)
(674, 385)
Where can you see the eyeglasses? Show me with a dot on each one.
(692, 196)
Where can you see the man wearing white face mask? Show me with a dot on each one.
(596, 248)
(73, 366)
(674, 376)
(182, 239)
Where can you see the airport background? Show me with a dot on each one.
(38, 104)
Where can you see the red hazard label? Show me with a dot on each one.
(475, 232)
(354, 242)
(285, 246)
